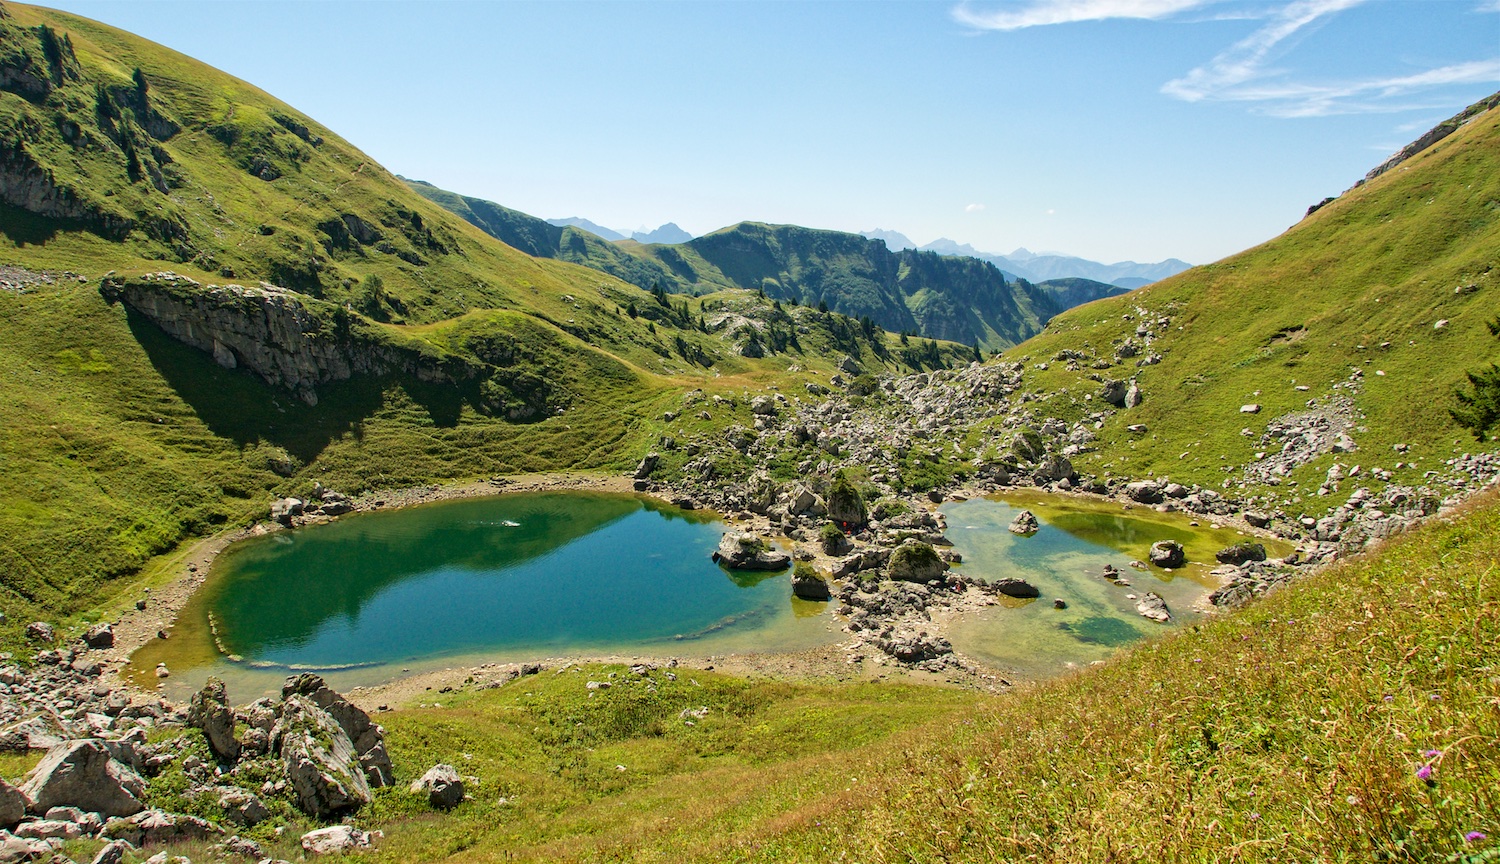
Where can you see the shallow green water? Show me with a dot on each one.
(526, 575)
(1064, 559)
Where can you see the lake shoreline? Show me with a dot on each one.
(165, 602)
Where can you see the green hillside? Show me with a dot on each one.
(1364, 318)
(122, 160)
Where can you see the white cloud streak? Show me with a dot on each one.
(973, 208)
(1041, 13)
(1244, 61)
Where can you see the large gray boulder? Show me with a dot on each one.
(915, 561)
(367, 737)
(739, 551)
(82, 774)
(1167, 553)
(13, 805)
(1144, 491)
(805, 503)
(209, 710)
(319, 760)
(442, 785)
(1018, 588)
(114, 852)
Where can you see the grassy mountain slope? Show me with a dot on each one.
(122, 157)
(1377, 303)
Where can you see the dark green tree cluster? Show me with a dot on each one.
(1479, 405)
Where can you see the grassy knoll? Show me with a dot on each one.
(1295, 730)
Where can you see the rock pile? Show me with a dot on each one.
(93, 781)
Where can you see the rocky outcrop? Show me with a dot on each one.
(209, 710)
(318, 760)
(337, 839)
(1025, 524)
(367, 738)
(289, 339)
(747, 552)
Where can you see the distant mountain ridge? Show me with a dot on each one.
(671, 232)
(963, 299)
(1034, 267)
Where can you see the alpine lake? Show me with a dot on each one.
(525, 576)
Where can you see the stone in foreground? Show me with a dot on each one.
(82, 774)
(1025, 524)
(444, 788)
(336, 839)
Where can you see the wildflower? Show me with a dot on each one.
(1255, 817)
(1475, 836)
(1388, 699)
(1433, 754)
(1425, 773)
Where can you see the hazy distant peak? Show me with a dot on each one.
(894, 240)
(592, 228)
(668, 233)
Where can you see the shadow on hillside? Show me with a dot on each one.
(239, 406)
(28, 229)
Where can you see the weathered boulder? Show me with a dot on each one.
(1025, 524)
(1153, 607)
(13, 848)
(1240, 553)
(1133, 395)
(368, 738)
(283, 509)
(114, 852)
(747, 552)
(763, 405)
(242, 806)
(155, 827)
(805, 503)
(1053, 468)
(1257, 519)
(40, 631)
(48, 829)
(1144, 491)
(915, 561)
(99, 636)
(319, 760)
(13, 805)
(807, 584)
(647, 464)
(1113, 392)
(846, 505)
(1167, 553)
(209, 710)
(82, 774)
(337, 839)
(442, 785)
(1016, 588)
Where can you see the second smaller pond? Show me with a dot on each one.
(1063, 560)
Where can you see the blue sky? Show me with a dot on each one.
(1112, 129)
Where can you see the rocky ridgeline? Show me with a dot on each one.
(108, 750)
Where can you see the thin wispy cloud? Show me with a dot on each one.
(973, 208)
(1245, 60)
(1246, 71)
(1040, 13)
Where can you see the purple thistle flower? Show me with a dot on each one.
(1433, 754)
(1475, 836)
(1425, 773)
